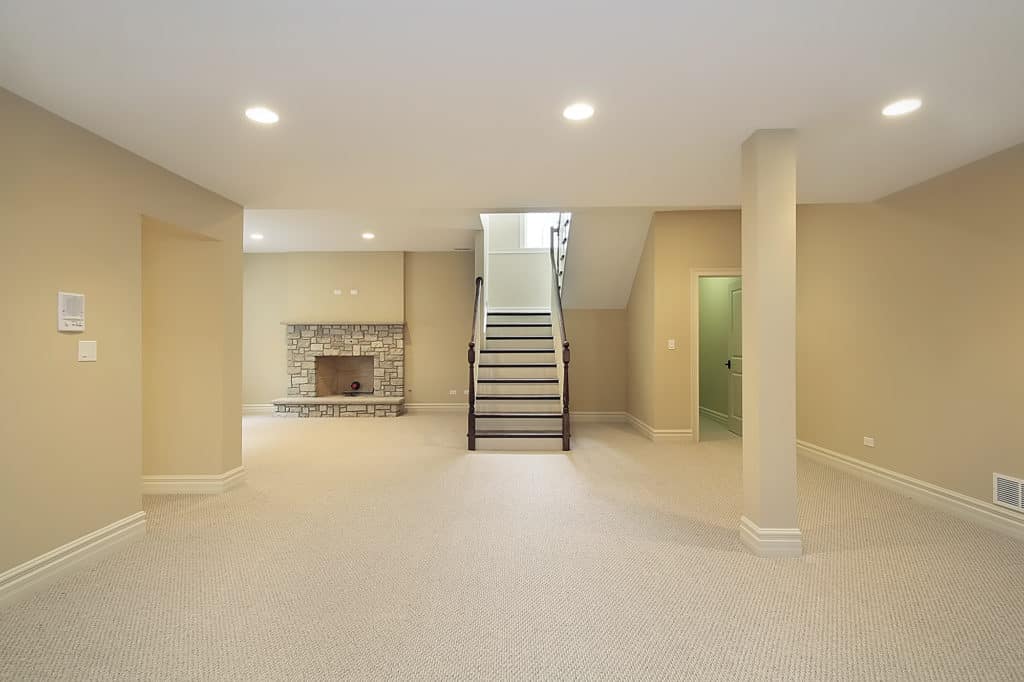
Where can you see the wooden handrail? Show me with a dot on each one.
(476, 309)
(566, 355)
(558, 293)
(471, 355)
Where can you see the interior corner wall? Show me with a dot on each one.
(71, 207)
(685, 240)
(908, 321)
(597, 366)
(640, 336)
(299, 287)
(439, 291)
(183, 351)
(432, 292)
(715, 327)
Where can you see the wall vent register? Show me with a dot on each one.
(1008, 492)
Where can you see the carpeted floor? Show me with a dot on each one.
(380, 549)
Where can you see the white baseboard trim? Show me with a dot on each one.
(770, 542)
(719, 417)
(437, 407)
(966, 507)
(192, 484)
(36, 573)
(601, 417)
(658, 434)
(252, 409)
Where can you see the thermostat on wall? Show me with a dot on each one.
(70, 312)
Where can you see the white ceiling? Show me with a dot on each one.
(413, 105)
(339, 230)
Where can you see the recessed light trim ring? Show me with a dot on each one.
(901, 107)
(262, 115)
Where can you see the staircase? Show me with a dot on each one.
(518, 379)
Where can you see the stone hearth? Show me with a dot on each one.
(384, 343)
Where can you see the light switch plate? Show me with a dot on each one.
(671, 344)
(87, 351)
(869, 441)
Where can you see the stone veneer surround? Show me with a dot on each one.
(384, 342)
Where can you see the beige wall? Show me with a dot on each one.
(433, 292)
(299, 287)
(597, 369)
(265, 295)
(183, 353)
(659, 308)
(715, 327)
(640, 336)
(438, 316)
(907, 317)
(312, 278)
(438, 300)
(71, 207)
(908, 324)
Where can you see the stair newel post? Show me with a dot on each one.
(471, 434)
(565, 397)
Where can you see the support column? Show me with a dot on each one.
(769, 523)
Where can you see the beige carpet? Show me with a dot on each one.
(379, 549)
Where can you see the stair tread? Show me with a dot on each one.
(525, 314)
(519, 324)
(519, 434)
(517, 381)
(518, 415)
(517, 350)
(520, 338)
(517, 364)
(520, 396)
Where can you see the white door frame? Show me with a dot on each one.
(695, 275)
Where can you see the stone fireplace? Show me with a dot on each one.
(324, 359)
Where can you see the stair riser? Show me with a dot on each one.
(518, 424)
(518, 389)
(519, 406)
(519, 331)
(547, 357)
(505, 445)
(518, 373)
(546, 344)
(495, 318)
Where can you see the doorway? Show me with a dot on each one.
(717, 334)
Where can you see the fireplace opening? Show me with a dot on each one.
(337, 374)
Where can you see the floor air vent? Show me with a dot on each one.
(1008, 492)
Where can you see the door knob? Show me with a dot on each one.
(728, 363)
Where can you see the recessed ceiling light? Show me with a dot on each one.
(368, 235)
(578, 111)
(262, 115)
(256, 235)
(902, 107)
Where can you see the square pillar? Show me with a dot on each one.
(769, 523)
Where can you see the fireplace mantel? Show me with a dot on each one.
(347, 323)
